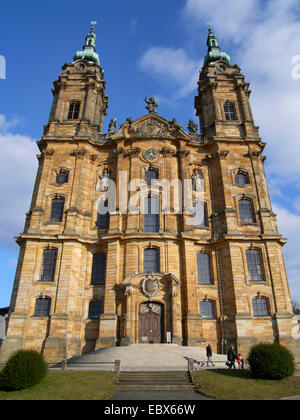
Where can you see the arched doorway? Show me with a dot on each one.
(151, 323)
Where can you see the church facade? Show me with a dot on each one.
(149, 233)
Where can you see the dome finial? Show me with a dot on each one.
(89, 49)
(214, 51)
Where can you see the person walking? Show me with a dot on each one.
(209, 355)
(231, 356)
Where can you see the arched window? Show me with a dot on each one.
(57, 210)
(241, 179)
(260, 307)
(254, 265)
(98, 269)
(95, 309)
(151, 260)
(151, 216)
(246, 211)
(62, 177)
(151, 174)
(230, 112)
(48, 265)
(73, 113)
(207, 310)
(203, 267)
(42, 307)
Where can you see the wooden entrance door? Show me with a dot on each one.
(151, 323)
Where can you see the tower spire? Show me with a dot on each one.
(214, 51)
(89, 49)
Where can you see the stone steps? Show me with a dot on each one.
(155, 381)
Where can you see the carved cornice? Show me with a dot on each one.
(79, 153)
(132, 152)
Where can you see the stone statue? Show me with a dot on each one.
(105, 180)
(197, 182)
(192, 127)
(151, 104)
(174, 125)
(112, 126)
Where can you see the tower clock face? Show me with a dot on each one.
(151, 154)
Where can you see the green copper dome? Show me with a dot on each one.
(89, 49)
(214, 51)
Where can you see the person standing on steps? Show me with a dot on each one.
(231, 356)
(209, 355)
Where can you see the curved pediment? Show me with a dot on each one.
(151, 126)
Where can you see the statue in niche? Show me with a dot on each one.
(197, 182)
(112, 126)
(105, 180)
(151, 104)
(192, 127)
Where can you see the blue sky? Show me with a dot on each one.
(148, 48)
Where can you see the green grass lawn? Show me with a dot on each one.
(225, 384)
(68, 385)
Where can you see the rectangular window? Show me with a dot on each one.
(254, 265)
(230, 112)
(102, 219)
(57, 210)
(42, 307)
(151, 216)
(246, 211)
(203, 266)
(151, 260)
(200, 215)
(207, 310)
(74, 111)
(95, 309)
(260, 307)
(48, 265)
(99, 268)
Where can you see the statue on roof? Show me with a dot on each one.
(192, 127)
(151, 104)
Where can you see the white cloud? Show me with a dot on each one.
(173, 68)
(18, 167)
(289, 226)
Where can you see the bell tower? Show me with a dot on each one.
(79, 101)
(222, 104)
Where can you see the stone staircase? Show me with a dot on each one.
(171, 381)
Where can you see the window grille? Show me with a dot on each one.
(95, 309)
(57, 210)
(203, 266)
(241, 179)
(207, 310)
(74, 111)
(254, 265)
(260, 307)
(48, 265)
(42, 307)
(99, 268)
(151, 260)
(246, 211)
(230, 112)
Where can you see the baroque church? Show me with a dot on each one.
(95, 272)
